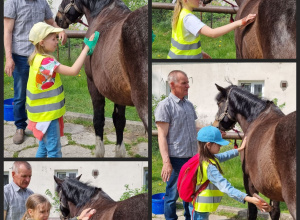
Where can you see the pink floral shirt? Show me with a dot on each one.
(46, 76)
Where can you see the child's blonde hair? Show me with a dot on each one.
(33, 201)
(176, 13)
(38, 49)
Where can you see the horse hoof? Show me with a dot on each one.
(99, 149)
(120, 150)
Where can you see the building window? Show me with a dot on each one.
(64, 174)
(255, 87)
(146, 178)
(6, 178)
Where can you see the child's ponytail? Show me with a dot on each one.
(176, 14)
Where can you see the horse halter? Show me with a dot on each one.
(67, 9)
(225, 113)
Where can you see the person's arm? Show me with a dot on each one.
(4, 214)
(227, 155)
(75, 68)
(163, 129)
(219, 31)
(9, 24)
(85, 214)
(62, 35)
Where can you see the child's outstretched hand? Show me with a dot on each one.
(242, 147)
(247, 20)
(91, 42)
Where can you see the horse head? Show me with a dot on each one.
(69, 12)
(225, 117)
(63, 202)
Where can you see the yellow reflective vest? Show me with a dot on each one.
(209, 199)
(44, 105)
(180, 48)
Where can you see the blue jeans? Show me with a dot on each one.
(198, 215)
(172, 195)
(50, 144)
(20, 74)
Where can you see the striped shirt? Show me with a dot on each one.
(14, 201)
(182, 134)
(25, 14)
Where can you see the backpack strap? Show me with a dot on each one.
(201, 188)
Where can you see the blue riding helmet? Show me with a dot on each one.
(211, 134)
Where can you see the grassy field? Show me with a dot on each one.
(76, 91)
(232, 172)
(218, 48)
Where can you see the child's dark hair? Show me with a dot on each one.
(205, 155)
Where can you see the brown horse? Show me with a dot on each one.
(75, 196)
(269, 159)
(272, 35)
(118, 68)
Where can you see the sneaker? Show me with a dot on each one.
(19, 136)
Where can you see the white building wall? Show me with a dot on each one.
(203, 76)
(112, 175)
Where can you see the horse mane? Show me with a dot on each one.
(246, 103)
(77, 192)
(96, 6)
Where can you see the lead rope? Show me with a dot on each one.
(235, 143)
(232, 5)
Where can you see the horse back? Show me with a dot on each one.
(247, 39)
(277, 29)
(106, 67)
(134, 208)
(135, 48)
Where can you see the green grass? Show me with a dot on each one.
(218, 48)
(76, 91)
(232, 172)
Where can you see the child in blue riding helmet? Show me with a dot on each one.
(209, 142)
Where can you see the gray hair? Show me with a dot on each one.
(17, 164)
(172, 77)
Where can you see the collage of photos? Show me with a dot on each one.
(200, 94)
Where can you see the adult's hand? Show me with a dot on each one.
(166, 171)
(9, 67)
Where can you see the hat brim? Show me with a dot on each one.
(222, 142)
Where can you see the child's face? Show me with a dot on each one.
(50, 43)
(213, 148)
(42, 212)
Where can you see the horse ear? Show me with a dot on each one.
(58, 181)
(221, 89)
(78, 177)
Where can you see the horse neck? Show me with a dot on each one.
(114, 8)
(239, 2)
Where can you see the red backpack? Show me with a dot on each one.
(187, 180)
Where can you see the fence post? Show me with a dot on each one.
(69, 49)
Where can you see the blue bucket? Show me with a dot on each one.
(9, 109)
(158, 203)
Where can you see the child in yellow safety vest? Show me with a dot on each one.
(210, 141)
(45, 100)
(186, 30)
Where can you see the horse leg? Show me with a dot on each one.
(275, 213)
(119, 123)
(98, 101)
(252, 209)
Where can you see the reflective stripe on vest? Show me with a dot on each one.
(180, 48)
(209, 199)
(44, 105)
